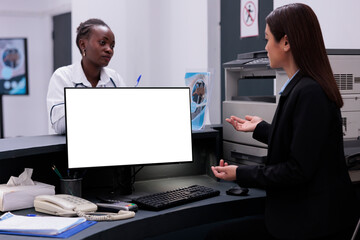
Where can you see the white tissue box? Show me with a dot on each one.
(20, 197)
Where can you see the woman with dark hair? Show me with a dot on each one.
(96, 43)
(309, 194)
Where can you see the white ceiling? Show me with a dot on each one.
(34, 7)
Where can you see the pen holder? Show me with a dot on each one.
(71, 186)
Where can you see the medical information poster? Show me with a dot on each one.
(199, 93)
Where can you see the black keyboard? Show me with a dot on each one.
(179, 196)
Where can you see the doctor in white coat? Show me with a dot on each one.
(96, 43)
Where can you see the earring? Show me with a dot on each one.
(84, 52)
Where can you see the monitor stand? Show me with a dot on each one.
(122, 186)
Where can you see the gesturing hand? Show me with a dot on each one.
(245, 125)
(225, 171)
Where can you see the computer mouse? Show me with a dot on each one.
(238, 191)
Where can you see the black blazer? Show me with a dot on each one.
(309, 191)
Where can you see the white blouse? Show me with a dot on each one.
(73, 76)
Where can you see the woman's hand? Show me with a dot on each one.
(245, 125)
(225, 171)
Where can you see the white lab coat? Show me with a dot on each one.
(73, 76)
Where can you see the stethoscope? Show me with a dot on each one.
(82, 85)
(76, 85)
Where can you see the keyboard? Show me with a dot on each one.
(176, 197)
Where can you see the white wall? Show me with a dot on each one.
(339, 20)
(160, 39)
(26, 115)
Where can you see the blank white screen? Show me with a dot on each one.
(127, 126)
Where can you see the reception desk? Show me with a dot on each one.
(41, 152)
(152, 224)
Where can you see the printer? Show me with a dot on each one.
(252, 88)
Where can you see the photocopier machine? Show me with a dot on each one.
(252, 88)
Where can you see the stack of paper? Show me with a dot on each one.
(10, 223)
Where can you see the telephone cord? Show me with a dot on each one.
(106, 216)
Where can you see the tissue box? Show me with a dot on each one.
(20, 197)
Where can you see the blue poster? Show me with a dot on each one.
(198, 83)
(13, 66)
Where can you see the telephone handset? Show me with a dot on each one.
(62, 205)
(68, 206)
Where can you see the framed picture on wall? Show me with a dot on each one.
(13, 66)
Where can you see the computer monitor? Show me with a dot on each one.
(128, 126)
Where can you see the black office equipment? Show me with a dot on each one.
(117, 206)
(238, 191)
(179, 196)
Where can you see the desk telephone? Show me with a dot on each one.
(62, 205)
(67, 206)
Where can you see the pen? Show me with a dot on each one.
(137, 81)
(56, 171)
